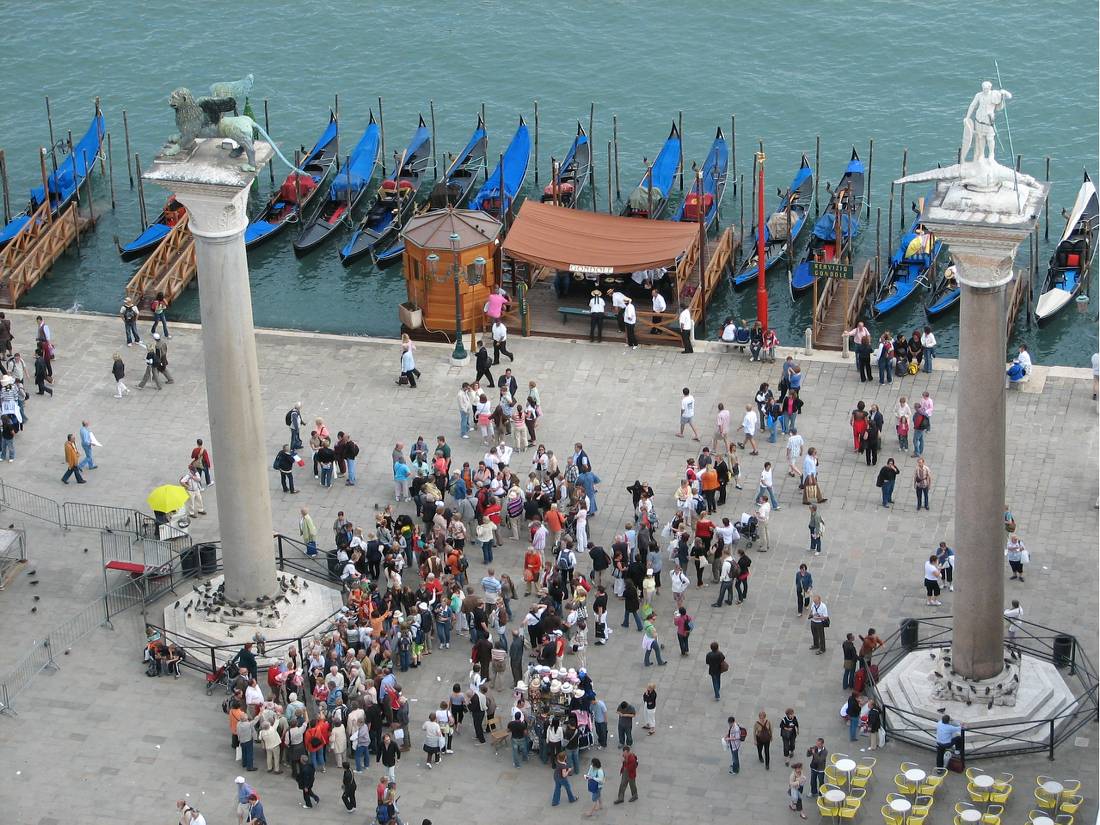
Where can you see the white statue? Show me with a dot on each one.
(979, 125)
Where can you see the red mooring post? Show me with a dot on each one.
(761, 263)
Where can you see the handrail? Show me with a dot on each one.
(712, 274)
(863, 288)
(168, 254)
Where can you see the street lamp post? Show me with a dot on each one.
(459, 353)
(454, 272)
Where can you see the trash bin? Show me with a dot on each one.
(910, 632)
(1063, 650)
(208, 557)
(189, 562)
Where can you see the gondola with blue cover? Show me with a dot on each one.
(1071, 264)
(154, 233)
(945, 294)
(292, 199)
(714, 185)
(912, 265)
(796, 199)
(846, 203)
(574, 172)
(498, 194)
(348, 188)
(64, 182)
(454, 189)
(650, 197)
(395, 199)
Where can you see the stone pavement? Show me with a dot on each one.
(97, 742)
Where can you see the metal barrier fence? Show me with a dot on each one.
(69, 514)
(14, 553)
(31, 504)
(987, 740)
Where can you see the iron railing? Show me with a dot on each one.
(30, 504)
(987, 740)
(70, 514)
(14, 553)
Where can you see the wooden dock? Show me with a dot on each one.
(1017, 298)
(839, 305)
(169, 269)
(30, 256)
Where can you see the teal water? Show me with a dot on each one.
(900, 73)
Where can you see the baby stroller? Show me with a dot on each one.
(584, 728)
(748, 529)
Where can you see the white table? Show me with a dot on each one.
(1053, 788)
(1042, 820)
(846, 766)
(901, 806)
(984, 781)
(971, 815)
(835, 798)
(916, 775)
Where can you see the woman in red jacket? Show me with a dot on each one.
(316, 740)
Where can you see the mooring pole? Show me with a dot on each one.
(733, 147)
(890, 215)
(610, 199)
(267, 128)
(680, 131)
(741, 220)
(381, 134)
(536, 141)
(45, 180)
(435, 143)
(141, 193)
(592, 151)
(98, 113)
(901, 200)
(53, 153)
(878, 243)
(817, 173)
(867, 188)
(4, 184)
(111, 169)
(126, 135)
(761, 265)
(615, 138)
(1046, 208)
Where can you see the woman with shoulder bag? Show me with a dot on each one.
(1017, 556)
(795, 786)
(762, 734)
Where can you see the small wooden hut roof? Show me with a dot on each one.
(433, 230)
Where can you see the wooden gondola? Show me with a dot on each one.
(291, 200)
(796, 200)
(912, 265)
(1071, 264)
(650, 197)
(498, 194)
(395, 200)
(154, 233)
(714, 186)
(573, 172)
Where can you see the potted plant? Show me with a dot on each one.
(411, 315)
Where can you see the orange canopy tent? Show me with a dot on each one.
(594, 243)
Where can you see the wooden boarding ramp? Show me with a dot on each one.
(1017, 297)
(839, 305)
(169, 269)
(31, 254)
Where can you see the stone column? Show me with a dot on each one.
(215, 193)
(978, 643)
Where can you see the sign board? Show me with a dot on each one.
(591, 270)
(831, 269)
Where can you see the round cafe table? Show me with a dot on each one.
(901, 806)
(984, 781)
(1053, 788)
(915, 775)
(1042, 820)
(971, 815)
(835, 798)
(846, 766)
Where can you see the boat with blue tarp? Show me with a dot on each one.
(574, 172)
(650, 197)
(783, 228)
(912, 265)
(498, 194)
(1071, 264)
(714, 185)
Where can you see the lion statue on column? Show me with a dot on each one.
(205, 117)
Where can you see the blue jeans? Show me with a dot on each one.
(573, 760)
(918, 442)
(735, 759)
(815, 543)
(326, 476)
(318, 758)
(885, 374)
(922, 497)
(848, 680)
(463, 423)
(929, 354)
(626, 618)
(725, 590)
(772, 430)
(7, 449)
(558, 785)
(487, 551)
(362, 757)
(404, 654)
(655, 648)
(352, 478)
(887, 492)
(853, 728)
(716, 683)
(520, 750)
(443, 632)
(817, 779)
(80, 478)
(132, 336)
(159, 318)
(769, 491)
(88, 463)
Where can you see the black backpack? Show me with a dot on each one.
(289, 417)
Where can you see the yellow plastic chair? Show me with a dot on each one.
(857, 795)
(1000, 793)
(978, 795)
(850, 808)
(835, 777)
(1033, 814)
(1046, 801)
(836, 757)
(914, 819)
(1071, 786)
(992, 815)
(824, 789)
(1070, 804)
(1042, 780)
(890, 816)
(958, 820)
(866, 763)
(1003, 779)
(933, 781)
(1063, 819)
(962, 807)
(860, 780)
(922, 805)
(971, 773)
(908, 766)
(904, 785)
(826, 809)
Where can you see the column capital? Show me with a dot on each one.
(211, 185)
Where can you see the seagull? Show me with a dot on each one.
(177, 604)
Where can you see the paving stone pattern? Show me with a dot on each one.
(97, 742)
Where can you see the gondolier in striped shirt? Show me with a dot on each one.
(596, 308)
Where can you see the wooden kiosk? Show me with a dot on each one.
(450, 258)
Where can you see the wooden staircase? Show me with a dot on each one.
(32, 253)
(169, 269)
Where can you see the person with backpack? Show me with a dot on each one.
(306, 776)
(284, 463)
(159, 307)
(294, 421)
(735, 735)
(129, 315)
(150, 370)
(628, 776)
